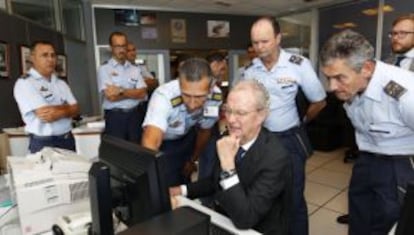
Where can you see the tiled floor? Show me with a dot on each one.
(326, 192)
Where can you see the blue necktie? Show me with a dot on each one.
(399, 59)
(239, 155)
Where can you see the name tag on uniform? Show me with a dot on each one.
(211, 111)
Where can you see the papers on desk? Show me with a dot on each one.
(216, 218)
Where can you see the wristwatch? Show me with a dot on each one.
(224, 174)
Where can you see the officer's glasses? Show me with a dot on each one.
(238, 112)
(399, 34)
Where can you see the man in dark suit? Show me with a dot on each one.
(252, 181)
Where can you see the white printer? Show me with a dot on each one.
(47, 185)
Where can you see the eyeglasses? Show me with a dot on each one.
(399, 34)
(237, 112)
(119, 46)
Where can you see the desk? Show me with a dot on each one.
(215, 217)
(18, 141)
(87, 140)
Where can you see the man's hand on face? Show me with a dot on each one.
(227, 148)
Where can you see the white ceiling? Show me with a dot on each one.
(237, 7)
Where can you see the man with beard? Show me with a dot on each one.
(402, 41)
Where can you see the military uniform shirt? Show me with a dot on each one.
(383, 116)
(127, 76)
(33, 91)
(167, 111)
(282, 82)
(144, 71)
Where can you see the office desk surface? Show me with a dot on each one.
(215, 217)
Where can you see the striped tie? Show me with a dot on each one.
(239, 155)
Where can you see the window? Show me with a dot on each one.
(40, 11)
(73, 18)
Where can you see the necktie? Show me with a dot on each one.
(239, 155)
(399, 59)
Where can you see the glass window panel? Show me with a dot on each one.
(73, 18)
(359, 16)
(296, 30)
(40, 11)
(393, 9)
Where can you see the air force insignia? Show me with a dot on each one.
(296, 59)
(394, 90)
(216, 96)
(176, 101)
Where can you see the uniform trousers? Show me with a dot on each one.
(65, 141)
(376, 192)
(125, 123)
(296, 142)
(177, 153)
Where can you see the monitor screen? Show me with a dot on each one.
(128, 17)
(137, 179)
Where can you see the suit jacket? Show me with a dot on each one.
(262, 198)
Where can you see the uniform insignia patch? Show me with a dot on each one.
(296, 59)
(176, 101)
(394, 90)
(217, 97)
(43, 88)
(175, 124)
(248, 66)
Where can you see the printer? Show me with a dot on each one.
(46, 185)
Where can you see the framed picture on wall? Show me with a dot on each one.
(26, 63)
(218, 29)
(4, 60)
(61, 66)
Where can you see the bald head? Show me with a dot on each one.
(265, 37)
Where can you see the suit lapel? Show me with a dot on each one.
(248, 163)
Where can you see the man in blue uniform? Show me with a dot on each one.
(180, 116)
(283, 73)
(124, 90)
(46, 103)
(378, 101)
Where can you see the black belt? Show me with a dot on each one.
(289, 131)
(67, 135)
(120, 110)
(385, 156)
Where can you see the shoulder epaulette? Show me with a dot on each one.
(296, 59)
(216, 96)
(176, 101)
(24, 76)
(248, 66)
(394, 90)
(105, 62)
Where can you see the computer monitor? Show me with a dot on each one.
(137, 181)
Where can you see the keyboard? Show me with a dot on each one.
(217, 230)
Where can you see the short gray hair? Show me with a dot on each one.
(348, 45)
(261, 95)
